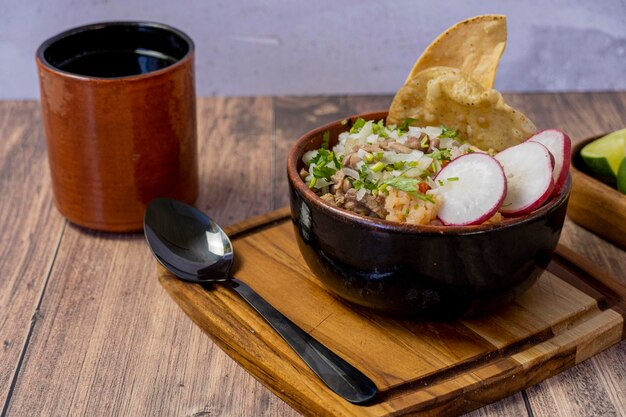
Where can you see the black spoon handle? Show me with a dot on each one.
(337, 374)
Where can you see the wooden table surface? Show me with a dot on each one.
(86, 329)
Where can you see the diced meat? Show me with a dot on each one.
(415, 142)
(341, 184)
(434, 144)
(369, 205)
(398, 147)
(329, 198)
(351, 159)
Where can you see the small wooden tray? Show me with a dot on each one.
(595, 205)
(422, 368)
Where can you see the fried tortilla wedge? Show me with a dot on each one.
(474, 46)
(446, 96)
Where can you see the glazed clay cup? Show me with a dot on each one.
(119, 113)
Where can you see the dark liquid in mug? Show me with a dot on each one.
(117, 63)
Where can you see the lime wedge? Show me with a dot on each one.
(621, 177)
(604, 155)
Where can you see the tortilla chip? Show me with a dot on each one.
(445, 96)
(474, 46)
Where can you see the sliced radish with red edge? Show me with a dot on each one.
(560, 146)
(528, 169)
(473, 187)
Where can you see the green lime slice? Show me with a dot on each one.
(604, 155)
(621, 177)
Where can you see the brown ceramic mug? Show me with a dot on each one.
(118, 102)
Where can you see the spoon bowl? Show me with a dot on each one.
(193, 243)
(194, 248)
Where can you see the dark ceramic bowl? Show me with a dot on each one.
(437, 272)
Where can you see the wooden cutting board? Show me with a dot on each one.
(420, 367)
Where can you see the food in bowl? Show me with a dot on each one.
(451, 152)
(427, 271)
(429, 176)
(450, 204)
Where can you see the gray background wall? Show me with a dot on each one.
(330, 46)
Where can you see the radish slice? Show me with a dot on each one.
(560, 146)
(473, 187)
(528, 169)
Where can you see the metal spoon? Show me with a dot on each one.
(194, 248)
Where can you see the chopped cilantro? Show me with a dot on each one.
(425, 197)
(408, 185)
(358, 125)
(404, 127)
(325, 164)
(445, 153)
(379, 129)
(453, 179)
(377, 167)
(363, 182)
(325, 140)
(323, 171)
(449, 133)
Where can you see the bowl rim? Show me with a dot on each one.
(300, 146)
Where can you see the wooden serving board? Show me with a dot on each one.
(421, 368)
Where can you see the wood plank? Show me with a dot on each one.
(31, 228)
(109, 341)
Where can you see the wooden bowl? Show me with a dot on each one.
(595, 205)
(440, 272)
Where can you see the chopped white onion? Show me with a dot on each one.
(322, 182)
(390, 157)
(308, 156)
(431, 131)
(362, 153)
(360, 194)
(447, 142)
(351, 173)
(431, 183)
(413, 172)
(424, 162)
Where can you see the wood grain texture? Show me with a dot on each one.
(422, 367)
(102, 346)
(30, 231)
(588, 389)
(110, 342)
